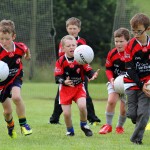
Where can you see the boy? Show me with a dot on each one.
(70, 76)
(11, 53)
(137, 62)
(73, 27)
(115, 66)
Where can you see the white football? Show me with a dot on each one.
(148, 86)
(84, 54)
(119, 84)
(4, 71)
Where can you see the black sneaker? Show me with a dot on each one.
(70, 134)
(54, 121)
(86, 130)
(57, 123)
(137, 142)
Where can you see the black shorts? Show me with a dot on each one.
(7, 92)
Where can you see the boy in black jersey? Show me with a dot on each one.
(137, 62)
(70, 77)
(12, 53)
(73, 27)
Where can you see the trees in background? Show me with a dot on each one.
(97, 18)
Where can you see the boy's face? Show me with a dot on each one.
(6, 39)
(73, 30)
(139, 33)
(120, 43)
(69, 47)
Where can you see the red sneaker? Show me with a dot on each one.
(119, 130)
(105, 129)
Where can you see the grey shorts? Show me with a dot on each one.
(111, 89)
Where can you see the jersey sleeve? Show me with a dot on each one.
(23, 47)
(59, 73)
(108, 66)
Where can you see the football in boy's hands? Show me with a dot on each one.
(84, 54)
(148, 86)
(4, 71)
(119, 84)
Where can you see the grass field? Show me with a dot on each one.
(49, 137)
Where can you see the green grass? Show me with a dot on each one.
(49, 137)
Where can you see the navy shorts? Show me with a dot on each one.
(7, 92)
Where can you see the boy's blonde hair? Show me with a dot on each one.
(73, 21)
(67, 37)
(122, 32)
(7, 26)
(140, 19)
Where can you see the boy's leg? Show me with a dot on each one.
(67, 117)
(143, 109)
(122, 118)
(8, 117)
(110, 109)
(20, 110)
(54, 119)
(91, 116)
(81, 102)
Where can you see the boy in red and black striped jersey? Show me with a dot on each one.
(115, 66)
(70, 77)
(73, 27)
(12, 53)
(137, 62)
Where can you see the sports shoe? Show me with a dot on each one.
(119, 130)
(26, 130)
(70, 134)
(147, 127)
(11, 132)
(54, 122)
(137, 142)
(86, 130)
(105, 129)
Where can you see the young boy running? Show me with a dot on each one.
(137, 58)
(115, 66)
(12, 53)
(73, 27)
(70, 76)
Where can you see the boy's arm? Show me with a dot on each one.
(90, 73)
(27, 55)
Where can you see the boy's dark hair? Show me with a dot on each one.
(73, 21)
(122, 32)
(140, 19)
(7, 26)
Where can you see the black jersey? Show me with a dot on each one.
(70, 68)
(13, 59)
(115, 64)
(137, 59)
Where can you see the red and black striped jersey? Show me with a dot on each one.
(115, 64)
(137, 61)
(13, 59)
(80, 41)
(66, 67)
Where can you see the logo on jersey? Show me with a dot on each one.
(11, 55)
(78, 70)
(57, 70)
(127, 55)
(18, 61)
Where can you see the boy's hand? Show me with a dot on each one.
(68, 82)
(95, 75)
(145, 89)
(27, 55)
